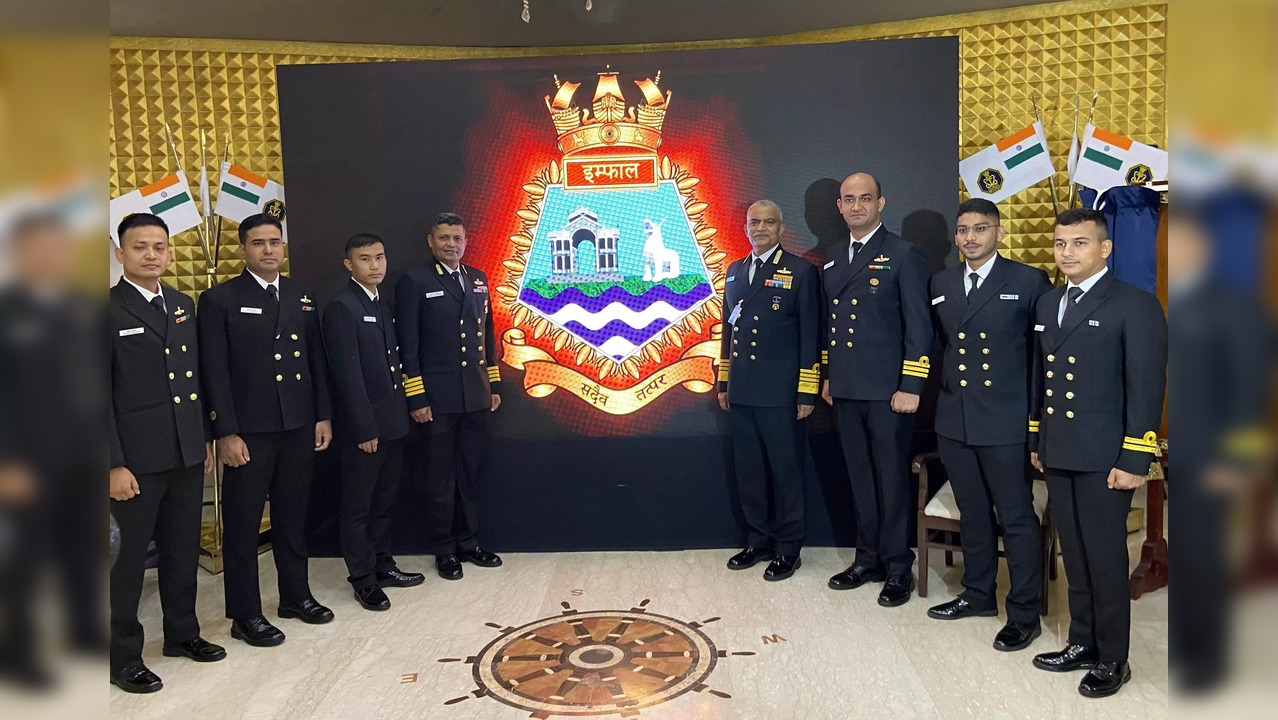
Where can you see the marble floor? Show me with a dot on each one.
(817, 653)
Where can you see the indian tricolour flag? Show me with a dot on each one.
(1109, 160)
(169, 198)
(242, 193)
(1010, 165)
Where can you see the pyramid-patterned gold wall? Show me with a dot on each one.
(1059, 50)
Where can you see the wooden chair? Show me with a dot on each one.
(938, 523)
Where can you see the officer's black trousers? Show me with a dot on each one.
(1091, 520)
(986, 478)
(279, 466)
(769, 447)
(876, 448)
(456, 449)
(168, 509)
(370, 482)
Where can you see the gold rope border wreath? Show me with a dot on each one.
(583, 354)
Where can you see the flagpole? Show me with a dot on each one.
(177, 160)
(1051, 179)
(209, 261)
(1073, 189)
(217, 232)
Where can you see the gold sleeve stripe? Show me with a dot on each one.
(494, 375)
(825, 357)
(723, 373)
(920, 365)
(809, 388)
(1146, 444)
(1141, 448)
(1033, 427)
(912, 373)
(410, 392)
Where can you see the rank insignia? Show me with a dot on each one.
(180, 310)
(305, 300)
(881, 259)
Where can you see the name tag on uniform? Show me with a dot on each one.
(731, 278)
(736, 313)
(1094, 323)
(1009, 297)
(251, 311)
(132, 331)
(938, 300)
(435, 294)
(828, 265)
(370, 318)
(1040, 328)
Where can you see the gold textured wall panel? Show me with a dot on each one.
(1116, 48)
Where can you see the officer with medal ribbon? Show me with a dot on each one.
(769, 374)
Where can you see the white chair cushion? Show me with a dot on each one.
(943, 504)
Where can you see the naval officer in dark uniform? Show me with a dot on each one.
(159, 453)
(445, 325)
(769, 377)
(266, 379)
(983, 310)
(1096, 408)
(370, 420)
(876, 346)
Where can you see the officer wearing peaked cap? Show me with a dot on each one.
(1095, 410)
(266, 378)
(983, 309)
(445, 324)
(876, 344)
(158, 453)
(769, 372)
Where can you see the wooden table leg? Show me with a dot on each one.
(1151, 573)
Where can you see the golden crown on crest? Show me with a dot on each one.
(608, 123)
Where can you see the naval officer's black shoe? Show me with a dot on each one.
(480, 557)
(1017, 635)
(396, 578)
(1073, 657)
(256, 631)
(371, 597)
(308, 611)
(448, 567)
(957, 609)
(749, 557)
(855, 577)
(896, 591)
(1105, 679)
(197, 649)
(782, 567)
(136, 679)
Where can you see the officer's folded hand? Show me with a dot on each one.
(805, 410)
(232, 451)
(1120, 480)
(123, 485)
(496, 402)
(904, 402)
(421, 415)
(323, 435)
(208, 458)
(723, 401)
(370, 446)
(825, 392)
(1036, 462)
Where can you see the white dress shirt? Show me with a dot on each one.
(265, 284)
(853, 241)
(147, 295)
(371, 294)
(1086, 285)
(764, 257)
(983, 272)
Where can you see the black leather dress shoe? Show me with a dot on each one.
(198, 649)
(480, 557)
(1073, 657)
(855, 577)
(372, 598)
(257, 632)
(749, 557)
(395, 578)
(1017, 635)
(896, 591)
(782, 567)
(1105, 679)
(957, 609)
(448, 567)
(136, 679)
(308, 611)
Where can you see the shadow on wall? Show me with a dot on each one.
(929, 231)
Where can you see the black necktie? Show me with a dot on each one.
(274, 293)
(157, 302)
(976, 281)
(857, 247)
(1071, 299)
(457, 279)
(757, 272)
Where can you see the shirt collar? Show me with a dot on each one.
(147, 295)
(1087, 284)
(371, 295)
(262, 282)
(765, 256)
(865, 239)
(983, 272)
